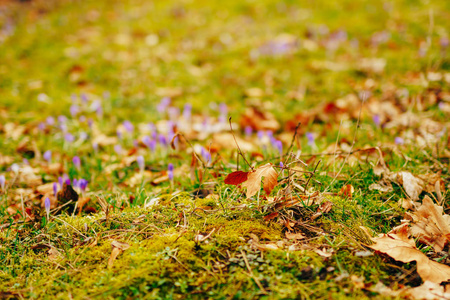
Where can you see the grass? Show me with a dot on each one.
(194, 237)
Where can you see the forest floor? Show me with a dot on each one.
(224, 149)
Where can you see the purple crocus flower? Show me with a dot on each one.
(60, 181)
(152, 145)
(69, 138)
(2, 182)
(128, 126)
(47, 156)
(74, 110)
(223, 109)
(376, 119)
(281, 164)
(119, 134)
(82, 118)
(50, 121)
(399, 141)
(95, 146)
(67, 181)
(162, 140)
(279, 145)
(62, 119)
(162, 106)
(170, 171)
(47, 206)
(118, 149)
(41, 126)
(77, 162)
(206, 155)
(75, 183)
(187, 112)
(82, 184)
(146, 140)
(248, 131)
(311, 139)
(90, 123)
(260, 134)
(84, 97)
(141, 163)
(55, 188)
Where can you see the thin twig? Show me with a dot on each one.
(293, 139)
(239, 149)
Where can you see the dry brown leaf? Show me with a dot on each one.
(54, 254)
(118, 247)
(347, 191)
(429, 291)
(430, 225)
(402, 249)
(413, 186)
(294, 236)
(253, 183)
(324, 252)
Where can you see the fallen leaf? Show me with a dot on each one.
(271, 216)
(253, 183)
(347, 191)
(404, 250)
(411, 184)
(236, 177)
(118, 248)
(294, 236)
(429, 291)
(430, 226)
(324, 252)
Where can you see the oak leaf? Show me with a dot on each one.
(253, 183)
(400, 248)
(430, 226)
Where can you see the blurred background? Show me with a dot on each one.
(282, 56)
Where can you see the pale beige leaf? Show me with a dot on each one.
(294, 236)
(253, 183)
(413, 186)
(428, 291)
(401, 249)
(430, 225)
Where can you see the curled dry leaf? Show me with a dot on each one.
(118, 247)
(402, 249)
(253, 183)
(236, 177)
(430, 226)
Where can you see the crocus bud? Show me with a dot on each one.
(47, 206)
(2, 182)
(82, 184)
(77, 162)
(55, 188)
(141, 163)
(47, 156)
(170, 171)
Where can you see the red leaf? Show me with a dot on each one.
(236, 177)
